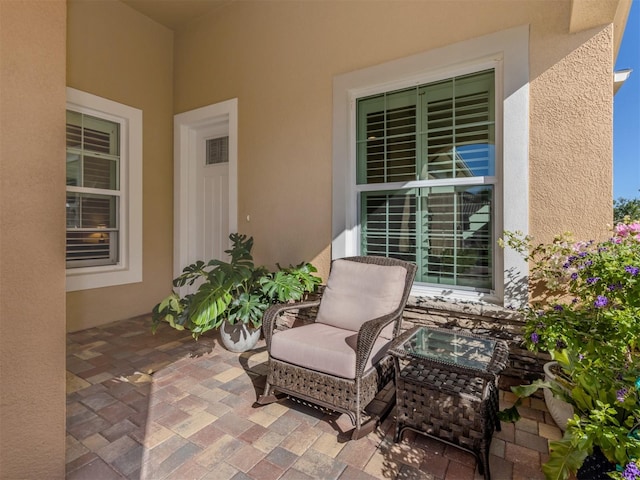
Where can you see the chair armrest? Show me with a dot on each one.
(367, 336)
(272, 313)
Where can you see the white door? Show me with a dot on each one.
(205, 183)
(212, 193)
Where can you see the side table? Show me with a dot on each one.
(447, 387)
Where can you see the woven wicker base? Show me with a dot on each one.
(459, 409)
(330, 392)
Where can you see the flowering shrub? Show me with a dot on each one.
(589, 321)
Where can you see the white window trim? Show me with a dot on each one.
(508, 53)
(129, 267)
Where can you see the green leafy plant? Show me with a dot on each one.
(235, 291)
(589, 322)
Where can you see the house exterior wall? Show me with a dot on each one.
(32, 308)
(279, 59)
(119, 54)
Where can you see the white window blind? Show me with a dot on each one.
(93, 190)
(426, 175)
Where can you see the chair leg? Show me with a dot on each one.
(267, 397)
(365, 429)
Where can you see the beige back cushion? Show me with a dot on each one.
(357, 292)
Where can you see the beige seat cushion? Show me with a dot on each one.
(357, 292)
(323, 348)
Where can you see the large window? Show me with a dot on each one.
(425, 178)
(104, 192)
(430, 164)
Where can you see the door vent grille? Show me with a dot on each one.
(217, 150)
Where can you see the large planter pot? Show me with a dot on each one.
(239, 337)
(560, 410)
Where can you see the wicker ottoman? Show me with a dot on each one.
(452, 403)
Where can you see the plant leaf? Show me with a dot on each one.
(563, 459)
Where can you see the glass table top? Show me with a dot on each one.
(451, 347)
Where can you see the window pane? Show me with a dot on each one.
(453, 243)
(74, 129)
(93, 149)
(91, 211)
(387, 138)
(74, 169)
(457, 236)
(389, 224)
(100, 173)
(97, 247)
(458, 121)
(92, 230)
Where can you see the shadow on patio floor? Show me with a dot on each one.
(193, 418)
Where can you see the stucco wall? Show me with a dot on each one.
(32, 279)
(571, 143)
(279, 59)
(117, 53)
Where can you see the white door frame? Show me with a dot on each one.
(186, 125)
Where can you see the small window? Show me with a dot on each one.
(93, 191)
(217, 150)
(104, 192)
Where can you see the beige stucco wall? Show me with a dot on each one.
(279, 59)
(571, 143)
(32, 299)
(117, 53)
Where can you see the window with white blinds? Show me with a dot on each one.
(426, 177)
(93, 190)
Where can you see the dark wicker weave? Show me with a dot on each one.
(455, 404)
(343, 395)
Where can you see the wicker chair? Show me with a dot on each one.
(340, 361)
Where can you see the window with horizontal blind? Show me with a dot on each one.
(93, 190)
(425, 178)
(103, 198)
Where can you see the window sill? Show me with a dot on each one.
(99, 277)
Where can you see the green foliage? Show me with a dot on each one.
(590, 324)
(236, 291)
(626, 207)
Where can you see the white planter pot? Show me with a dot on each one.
(239, 337)
(560, 410)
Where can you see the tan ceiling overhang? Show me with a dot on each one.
(175, 14)
(586, 14)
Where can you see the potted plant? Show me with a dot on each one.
(589, 322)
(232, 295)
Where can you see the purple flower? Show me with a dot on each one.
(580, 357)
(558, 308)
(602, 249)
(574, 276)
(582, 254)
(535, 338)
(588, 263)
(632, 270)
(631, 471)
(601, 301)
(621, 394)
(566, 265)
(592, 280)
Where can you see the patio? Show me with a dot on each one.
(193, 418)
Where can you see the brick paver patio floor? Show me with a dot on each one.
(193, 418)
